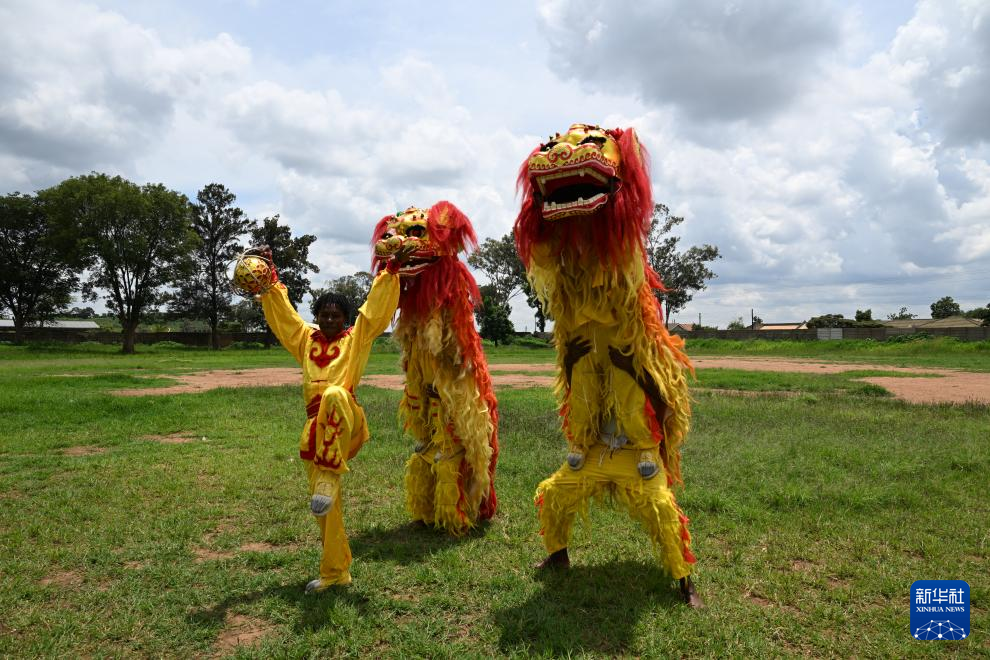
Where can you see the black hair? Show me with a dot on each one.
(329, 298)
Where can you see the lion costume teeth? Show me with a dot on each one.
(449, 404)
(581, 234)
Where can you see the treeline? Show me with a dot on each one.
(147, 251)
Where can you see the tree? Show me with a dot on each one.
(353, 287)
(500, 263)
(37, 274)
(864, 315)
(736, 325)
(979, 313)
(945, 307)
(139, 240)
(291, 258)
(206, 293)
(902, 315)
(493, 316)
(682, 272)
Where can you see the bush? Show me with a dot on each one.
(530, 342)
(386, 345)
(167, 345)
(914, 336)
(246, 345)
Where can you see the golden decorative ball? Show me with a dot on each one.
(252, 275)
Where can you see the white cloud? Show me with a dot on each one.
(711, 60)
(82, 88)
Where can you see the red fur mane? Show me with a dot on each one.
(621, 225)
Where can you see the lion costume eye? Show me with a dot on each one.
(416, 232)
(592, 139)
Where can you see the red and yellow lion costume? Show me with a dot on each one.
(449, 404)
(621, 384)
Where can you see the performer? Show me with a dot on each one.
(448, 405)
(333, 357)
(623, 394)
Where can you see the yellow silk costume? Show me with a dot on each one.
(581, 234)
(335, 427)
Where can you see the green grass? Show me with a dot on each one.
(937, 352)
(811, 515)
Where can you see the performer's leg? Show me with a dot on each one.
(420, 484)
(559, 498)
(334, 427)
(335, 561)
(652, 503)
(452, 510)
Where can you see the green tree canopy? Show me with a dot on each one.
(901, 315)
(37, 273)
(682, 273)
(945, 307)
(493, 316)
(139, 239)
(206, 294)
(290, 255)
(864, 314)
(499, 261)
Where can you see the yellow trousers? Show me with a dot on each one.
(650, 501)
(335, 561)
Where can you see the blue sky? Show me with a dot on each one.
(836, 152)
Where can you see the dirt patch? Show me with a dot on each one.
(179, 438)
(201, 555)
(135, 565)
(240, 630)
(64, 580)
(951, 386)
(508, 366)
(802, 566)
(258, 547)
(201, 381)
(85, 450)
(397, 381)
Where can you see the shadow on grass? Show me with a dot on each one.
(586, 609)
(406, 544)
(312, 608)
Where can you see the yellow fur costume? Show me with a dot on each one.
(581, 236)
(449, 405)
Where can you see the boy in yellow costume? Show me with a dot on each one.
(333, 357)
(581, 233)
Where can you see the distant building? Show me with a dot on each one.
(922, 324)
(799, 325)
(682, 327)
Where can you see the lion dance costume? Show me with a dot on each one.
(448, 405)
(621, 384)
(335, 427)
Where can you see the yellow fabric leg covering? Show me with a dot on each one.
(419, 488)
(335, 562)
(450, 506)
(566, 493)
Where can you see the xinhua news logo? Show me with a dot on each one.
(940, 610)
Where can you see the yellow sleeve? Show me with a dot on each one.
(291, 331)
(377, 311)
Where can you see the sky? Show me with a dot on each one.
(836, 152)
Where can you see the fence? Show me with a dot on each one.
(78, 336)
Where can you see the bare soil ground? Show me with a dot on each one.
(949, 385)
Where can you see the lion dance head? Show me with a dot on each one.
(436, 305)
